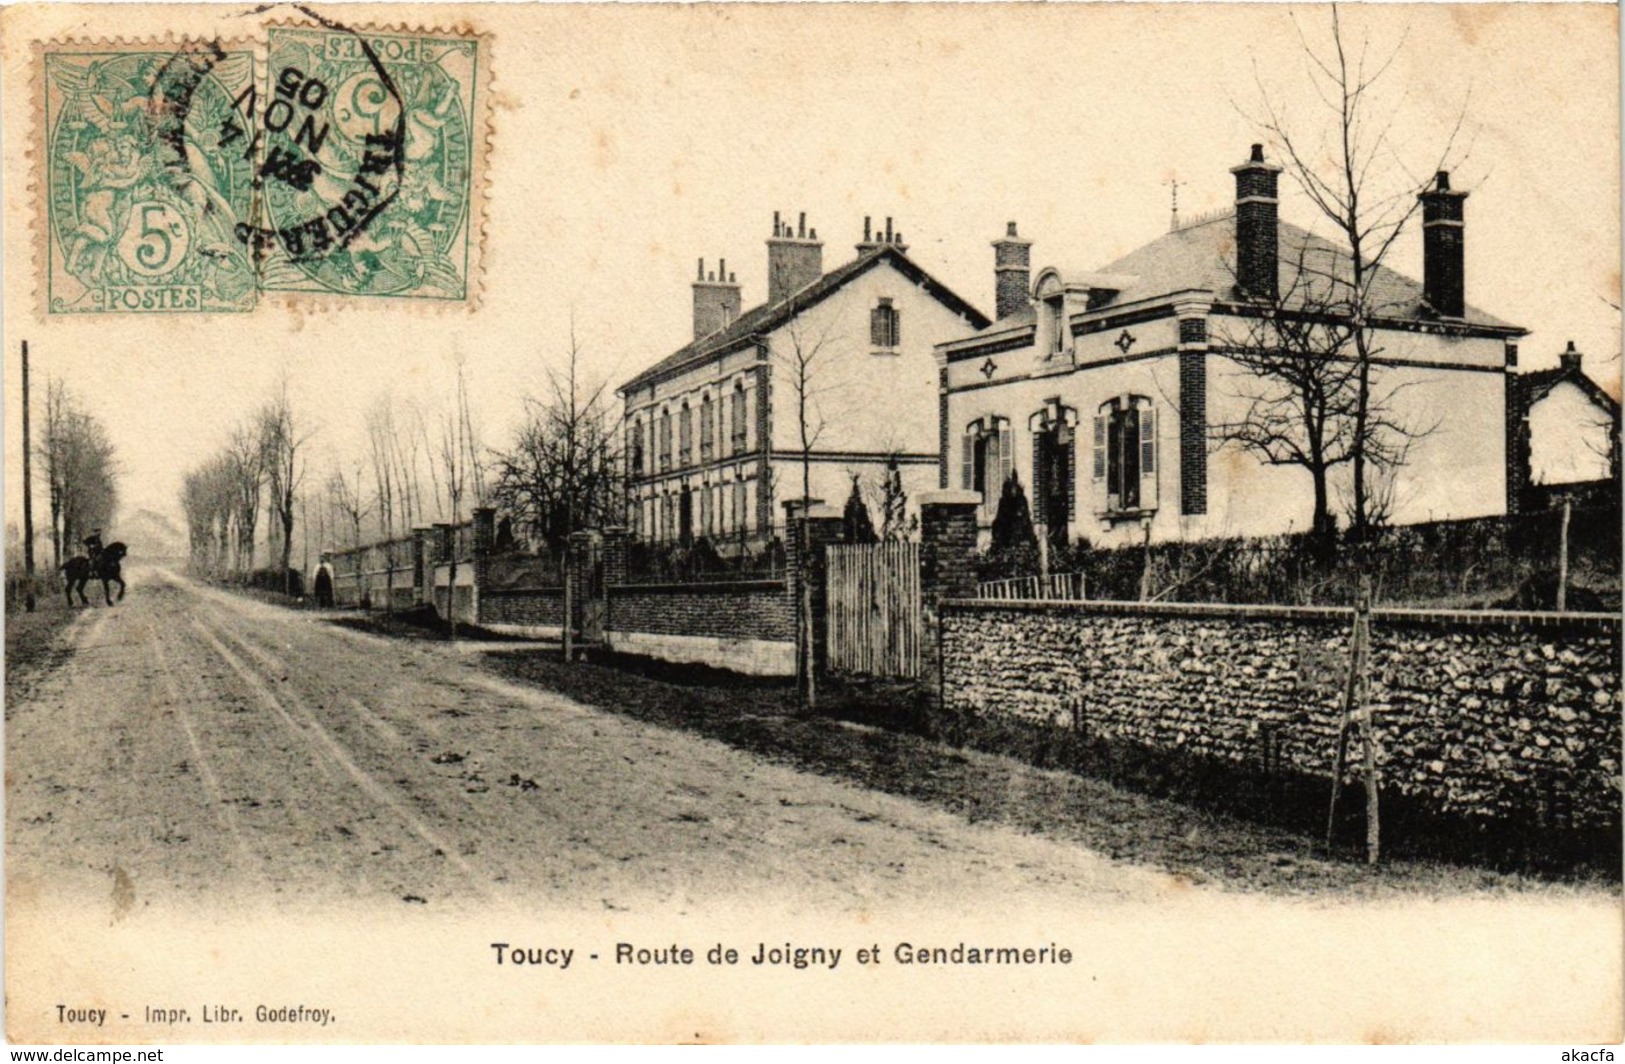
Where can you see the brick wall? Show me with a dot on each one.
(533, 606)
(758, 609)
(1482, 718)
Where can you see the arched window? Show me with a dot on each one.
(665, 440)
(1125, 455)
(685, 434)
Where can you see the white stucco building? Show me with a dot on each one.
(714, 439)
(1108, 392)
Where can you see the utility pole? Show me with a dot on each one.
(28, 493)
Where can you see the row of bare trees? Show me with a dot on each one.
(258, 472)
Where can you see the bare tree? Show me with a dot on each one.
(348, 497)
(459, 462)
(282, 442)
(80, 469)
(1353, 174)
(562, 472)
(381, 437)
(799, 359)
(245, 465)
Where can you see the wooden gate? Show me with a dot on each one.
(874, 621)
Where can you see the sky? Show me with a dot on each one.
(627, 142)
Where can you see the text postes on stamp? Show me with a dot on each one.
(128, 232)
(344, 162)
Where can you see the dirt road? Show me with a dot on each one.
(200, 746)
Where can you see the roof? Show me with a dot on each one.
(1530, 388)
(1201, 256)
(769, 316)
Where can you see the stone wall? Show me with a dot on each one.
(1481, 717)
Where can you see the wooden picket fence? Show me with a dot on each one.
(1054, 586)
(875, 622)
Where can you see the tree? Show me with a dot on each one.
(1013, 533)
(460, 463)
(1349, 174)
(80, 468)
(1300, 384)
(561, 472)
(855, 518)
(799, 360)
(895, 523)
(349, 498)
(281, 443)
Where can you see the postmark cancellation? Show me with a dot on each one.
(312, 160)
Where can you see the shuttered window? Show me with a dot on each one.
(739, 419)
(1126, 455)
(885, 325)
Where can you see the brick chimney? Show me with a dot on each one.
(1012, 273)
(795, 258)
(716, 299)
(1443, 261)
(1257, 236)
(878, 239)
(1569, 360)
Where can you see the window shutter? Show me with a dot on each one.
(877, 326)
(1040, 481)
(1100, 447)
(1148, 458)
(968, 461)
(1069, 466)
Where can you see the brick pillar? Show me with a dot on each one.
(617, 540)
(485, 535)
(805, 567)
(577, 562)
(420, 565)
(1193, 345)
(947, 571)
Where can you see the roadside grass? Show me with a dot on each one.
(34, 646)
(1203, 846)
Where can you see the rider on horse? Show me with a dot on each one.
(93, 546)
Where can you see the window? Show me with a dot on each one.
(685, 434)
(739, 418)
(741, 506)
(665, 440)
(1056, 310)
(1125, 455)
(885, 325)
(707, 431)
(988, 459)
(634, 448)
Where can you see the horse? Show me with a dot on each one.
(104, 567)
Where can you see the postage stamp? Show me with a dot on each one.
(127, 232)
(200, 178)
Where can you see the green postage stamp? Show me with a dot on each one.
(198, 178)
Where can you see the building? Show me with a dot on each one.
(1562, 432)
(1138, 361)
(714, 431)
